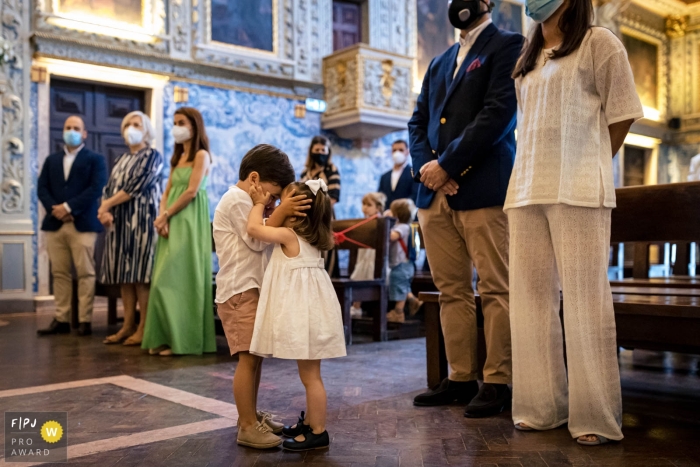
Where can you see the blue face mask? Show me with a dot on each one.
(72, 138)
(541, 10)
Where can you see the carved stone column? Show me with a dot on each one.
(17, 220)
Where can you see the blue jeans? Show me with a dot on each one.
(400, 279)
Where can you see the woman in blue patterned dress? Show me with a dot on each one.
(129, 208)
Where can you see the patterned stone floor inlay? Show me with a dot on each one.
(180, 411)
(120, 412)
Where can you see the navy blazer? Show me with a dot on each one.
(82, 191)
(405, 188)
(467, 123)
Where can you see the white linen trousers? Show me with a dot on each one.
(553, 244)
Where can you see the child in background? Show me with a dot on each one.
(372, 204)
(242, 261)
(402, 268)
(299, 315)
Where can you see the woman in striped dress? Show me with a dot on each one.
(129, 208)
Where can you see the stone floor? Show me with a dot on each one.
(126, 408)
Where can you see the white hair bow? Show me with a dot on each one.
(316, 185)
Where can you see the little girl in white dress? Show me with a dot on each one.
(299, 315)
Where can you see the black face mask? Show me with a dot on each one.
(463, 13)
(320, 159)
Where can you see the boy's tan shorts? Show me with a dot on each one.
(237, 316)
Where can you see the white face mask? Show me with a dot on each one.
(133, 136)
(399, 157)
(181, 134)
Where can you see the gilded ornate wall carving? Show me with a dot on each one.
(365, 78)
(648, 27)
(386, 86)
(368, 92)
(341, 85)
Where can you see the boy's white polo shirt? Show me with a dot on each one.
(242, 259)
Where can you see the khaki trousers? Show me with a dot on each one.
(67, 247)
(456, 242)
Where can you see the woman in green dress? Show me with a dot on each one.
(180, 309)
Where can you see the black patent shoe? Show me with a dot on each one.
(56, 327)
(311, 441)
(85, 329)
(296, 430)
(447, 393)
(491, 400)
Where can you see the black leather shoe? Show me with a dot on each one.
(447, 393)
(491, 400)
(85, 329)
(298, 429)
(311, 441)
(56, 327)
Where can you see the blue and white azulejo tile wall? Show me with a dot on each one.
(236, 121)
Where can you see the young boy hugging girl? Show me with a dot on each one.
(242, 261)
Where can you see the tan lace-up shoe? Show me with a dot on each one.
(258, 436)
(395, 316)
(266, 418)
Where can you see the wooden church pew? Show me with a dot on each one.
(657, 313)
(374, 234)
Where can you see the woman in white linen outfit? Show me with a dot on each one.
(576, 103)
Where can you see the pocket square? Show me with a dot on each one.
(474, 65)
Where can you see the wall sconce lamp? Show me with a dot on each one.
(181, 94)
(38, 74)
(300, 111)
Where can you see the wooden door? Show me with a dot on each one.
(101, 107)
(347, 24)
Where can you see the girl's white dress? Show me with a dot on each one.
(364, 266)
(299, 315)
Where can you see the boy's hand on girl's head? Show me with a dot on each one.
(294, 206)
(259, 195)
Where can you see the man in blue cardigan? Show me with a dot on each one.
(70, 186)
(463, 147)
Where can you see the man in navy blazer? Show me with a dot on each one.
(70, 186)
(463, 147)
(398, 183)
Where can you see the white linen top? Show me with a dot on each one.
(564, 153)
(242, 259)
